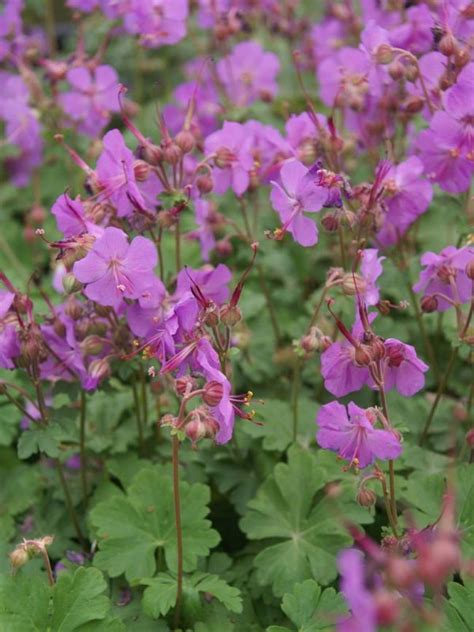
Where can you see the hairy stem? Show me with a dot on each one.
(179, 533)
(82, 446)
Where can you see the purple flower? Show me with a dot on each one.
(352, 435)
(9, 345)
(114, 270)
(363, 616)
(409, 195)
(6, 300)
(249, 73)
(117, 180)
(415, 33)
(94, 95)
(157, 22)
(231, 149)
(343, 78)
(71, 219)
(296, 194)
(402, 369)
(372, 38)
(370, 270)
(211, 282)
(302, 134)
(207, 219)
(83, 5)
(445, 276)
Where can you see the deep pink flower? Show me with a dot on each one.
(444, 275)
(296, 194)
(249, 73)
(114, 270)
(9, 345)
(71, 219)
(231, 148)
(157, 22)
(402, 369)
(352, 435)
(363, 617)
(370, 270)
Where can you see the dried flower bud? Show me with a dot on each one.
(185, 141)
(195, 429)
(230, 315)
(92, 345)
(204, 184)
(19, 557)
(73, 308)
(462, 57)
(411, 73)
(448, 45)
(384, 54)
(353, 284)
(310, 342)
(413, 104)
(32, 346)
(213, 393)
(71, 284)
(366, 497)
(429, 304)
(362, 355)
(141, 170)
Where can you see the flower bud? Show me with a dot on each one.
(195, 430)
(73, 308)
(462, 57)
(366, 497)
(353, 284)
(224, 158)
(37, 215)
(153, 154)
(19, 557)
(377, 349)
(429, 304)
(330, 222)
(204, 184)
(387, 607)
(32, 346)
(22, 303)
(213, 393)
(413, 104)
(411, 73)
(172, 153)
(384, 54)
(71, 284)
(59, 327)
(469, 438)
(440, 560)
(168, 420)
(396, 70)
(100, 369)
(310, 343)
(224, 248)
(401, 573)
(448, 45)
(184, 385)
(362, 355)
(141, 170)
(185, 141)
(92, 345)
(230, 315)
(211, 317)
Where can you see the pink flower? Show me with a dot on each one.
(352, 435)
(363, 617)
(296, 194)
(370, 270)
(71, 219)
(231, 148)
(445, 275)
(114, 270)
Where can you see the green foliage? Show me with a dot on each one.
(459, 612)
(132, 528)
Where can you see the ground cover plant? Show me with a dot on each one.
(236, 315)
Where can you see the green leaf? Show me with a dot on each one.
(160, 595)
(304, 535)
(310, 608)
(45, 440)
(133, 527)
(75, 603)
(459, 611)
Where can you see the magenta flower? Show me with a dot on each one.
(6, 300)
(408, 196)
(211, 282)
(93, 96)
(157, 22)
(370, 270)
(117, 180)
(343, 78)
(249, 73)
(114, 270)
(296, 194)
(415, 33)
(207, 219)
(231, 149)
(9, 345)
(302, 134)
(402, 369)
(352, 435)
(445, 278)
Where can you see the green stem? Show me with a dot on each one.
(391, 469)
(144, 397)
(179, 533)
(69, 504)
(82, 447)
(138, 416)
(441, 388)
(19, 406)
(269, 302)
(50, 24)
(295, 396)
(178, 246)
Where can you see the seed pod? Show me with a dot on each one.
(213, 393)
(185, 141)
(448, 45)
(366, 497)
(204, 183)
(230, 315)
(429, 304)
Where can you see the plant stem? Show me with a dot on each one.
(179, 533)
(295, 395)
(441, 388)
(270, 306)
(47, 563)
(178, 246)
(391, 469)
(138, 416)
(50, 25)
(19, 406)
(70, 505)
(388, 506)
(82, 447)
(144, 396)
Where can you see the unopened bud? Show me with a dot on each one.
(168, 420)
(141, 170)
(19, 557)
(366, 497)
(211, 317)
(411, 73)
(213, 393)
(362, 355)
(448, 45)
(99, 369)
(429, 304)
(330, 222)
(195, 429)
(224, 158)
(353, 284)
(387, 607)
(384, 54)
(230, 315)
(153, 154)
(185, 141)
(37, 215)
(396, 70)
(185, 385)
(70, 283)
(413, 104)
(59, 327)
(73, 308)
(172, 153)
(310, 343)
(401, 573)
(92, 345)
(462, 57)
(377, 349)
(470, 269)
(22, 303)
(204, 184)
(224, 248)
